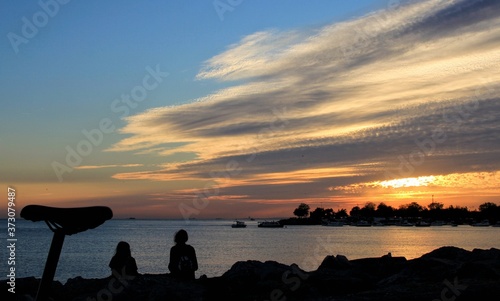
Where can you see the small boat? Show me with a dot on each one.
(422, 224)
(406, 224)
(272, 224)
(238, 224)
(363, 224)
(484, 223)
(437, 224)
(333, 224)
(496, 225)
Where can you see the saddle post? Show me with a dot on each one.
(62, 221)
(50, 266)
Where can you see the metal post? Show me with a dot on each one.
(50, 266)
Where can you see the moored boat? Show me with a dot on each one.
(484, 223)
(271, 224)
(363, 224)
(406, 224)
(437, 223)
(238, 224)
(333, 224)
(422, 224)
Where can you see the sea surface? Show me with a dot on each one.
(218, 246)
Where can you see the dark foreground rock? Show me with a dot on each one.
(447, 273)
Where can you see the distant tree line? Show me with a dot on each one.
(435, 211)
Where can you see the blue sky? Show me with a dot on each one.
(89, 53)
(267, 103)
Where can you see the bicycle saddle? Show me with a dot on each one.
(68, 220)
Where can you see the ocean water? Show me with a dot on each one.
(218, 246)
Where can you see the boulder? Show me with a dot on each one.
(450, 253)
(446, 272)
(335, 262)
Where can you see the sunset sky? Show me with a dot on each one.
(203, 109)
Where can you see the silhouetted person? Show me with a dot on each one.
(183, 260)
(122, 262)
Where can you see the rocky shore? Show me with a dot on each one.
(447, 273)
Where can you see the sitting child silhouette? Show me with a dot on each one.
(183, 262)
(122, 262)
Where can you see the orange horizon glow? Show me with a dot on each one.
(150, 204)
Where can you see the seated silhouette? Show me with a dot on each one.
(183, 262)
(122, 262)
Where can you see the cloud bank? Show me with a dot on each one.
(404, 92)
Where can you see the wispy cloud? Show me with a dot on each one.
(107, 166)
(339, 105)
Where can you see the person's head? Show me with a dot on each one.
(181, 237)
(123, 249)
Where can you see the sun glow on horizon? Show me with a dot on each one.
(454, 187)
(407, 182)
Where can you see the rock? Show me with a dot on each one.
(478, 270)
(25, 289)
(258, 280)
(491, 254)
(450, 253)
(448, 271)
(335, 262)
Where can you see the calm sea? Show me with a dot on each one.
(218, 246)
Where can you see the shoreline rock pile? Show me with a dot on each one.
(447, 273)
